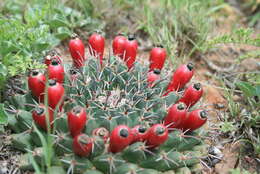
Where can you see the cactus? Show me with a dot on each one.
(112, 95)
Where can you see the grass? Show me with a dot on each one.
(182, 26)
(241, 121)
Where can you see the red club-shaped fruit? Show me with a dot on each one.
(120, 138)
(139, 133)
(101, 132)
(180, 78)
(176, 115)
(77, 119)
(157, 58)
(82, 145)
(55, 94)
(77, 51)
(153, 76)
(39, 115)
(131, 48)
(156, 135)
(119, 46)
(56, 71)
(96, 46)
(36, 83)
(192, 94)
(195, 119)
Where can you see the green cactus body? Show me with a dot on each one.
(112, 95)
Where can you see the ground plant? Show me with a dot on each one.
(110, 115)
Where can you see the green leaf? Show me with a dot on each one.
(63, 33)
(246, 88)
(56, 23)
(3, 115)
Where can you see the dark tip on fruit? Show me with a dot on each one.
(197, 86)
(142, 129)
(160, 130)
(83, 139)
(52, 82)
(131, 37)
(39, 110)
(35, 73)
(203, 114)
(123, 133)
(76, 109)
(55, 62)
(157, 71)
(181, 106)
(190, 66)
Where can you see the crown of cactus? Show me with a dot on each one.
(109, 115)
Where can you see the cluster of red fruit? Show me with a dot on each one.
(126, 48)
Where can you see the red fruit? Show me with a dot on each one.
(36, 82)
(156, 135)
(157, 58)
(139, 133)
(119, 46)
(131, 47)
(77, 51)
(55, 94)
(176, 115)
(180, 77)
(39, 116)
(96, 46)
(192, 94)
(82, 145)
(77, 119)
(120, 138)
(56, 71)
(101, 132)
(153, 76)
(195, 119)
